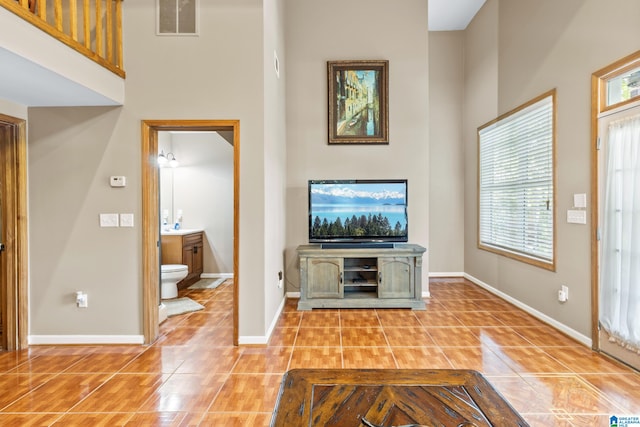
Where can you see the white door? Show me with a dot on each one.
(619, 230)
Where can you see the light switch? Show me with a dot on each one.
(126, 220)
(109, 220)
(580, 200)
(576, 217)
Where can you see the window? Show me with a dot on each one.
(177, 17)
(623, 87)
(516, 183)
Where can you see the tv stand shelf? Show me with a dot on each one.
(361, 277)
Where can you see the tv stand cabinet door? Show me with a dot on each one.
(396, 277)
(324, 278)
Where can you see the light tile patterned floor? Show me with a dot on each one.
(193, 376)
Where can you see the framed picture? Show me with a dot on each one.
(358, 104)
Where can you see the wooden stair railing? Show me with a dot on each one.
(91, 27)
(32, 5)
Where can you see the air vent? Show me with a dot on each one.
(177, 17)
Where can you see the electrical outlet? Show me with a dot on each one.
(280, 281)
(563, 294)
(82, 300)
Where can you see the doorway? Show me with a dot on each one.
(151, 214)
(616, 203)
(13, 233)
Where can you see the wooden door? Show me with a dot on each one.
(5, 135)
(198, 258)
(13, 233)
(187, 257)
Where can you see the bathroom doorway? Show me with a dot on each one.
(151, 211)
(196, 191)
(13, 233)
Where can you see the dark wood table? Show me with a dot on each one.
(390, 397)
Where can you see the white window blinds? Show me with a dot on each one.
(516, 185)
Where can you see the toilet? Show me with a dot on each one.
(170, 275)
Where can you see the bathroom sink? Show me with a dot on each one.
(182, 231)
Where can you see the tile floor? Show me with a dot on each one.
(193, 376)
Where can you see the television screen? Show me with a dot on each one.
(358, 211)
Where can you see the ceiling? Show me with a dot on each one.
(27, 83)
(452, 15)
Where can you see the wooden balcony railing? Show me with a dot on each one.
(91, 27)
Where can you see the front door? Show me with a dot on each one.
(615, 193)
(619, 225)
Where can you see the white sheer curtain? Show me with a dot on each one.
(620, 256)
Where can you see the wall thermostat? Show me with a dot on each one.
(118, 181)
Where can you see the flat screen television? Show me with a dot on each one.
(358, 211)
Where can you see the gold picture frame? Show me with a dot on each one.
(358, 102)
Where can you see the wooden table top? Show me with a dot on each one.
(390, 397)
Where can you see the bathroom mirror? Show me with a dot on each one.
(166, 194)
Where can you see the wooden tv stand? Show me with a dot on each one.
(361, 277)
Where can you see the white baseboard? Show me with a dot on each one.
(264, 340)
(252, 340)
(84, 339)
(446, 274)
(532, 311)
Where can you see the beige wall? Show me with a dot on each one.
(511, 52)
(514, 51)
(318, 32)
(480, 106)
(446, 167)
(275, 152)
(12, 109)
(72, 152)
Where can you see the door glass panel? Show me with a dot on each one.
(619, 293)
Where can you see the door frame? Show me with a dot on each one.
(14, 260)
(151, 214)
(598, 83)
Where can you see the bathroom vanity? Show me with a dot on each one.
(184, 247)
